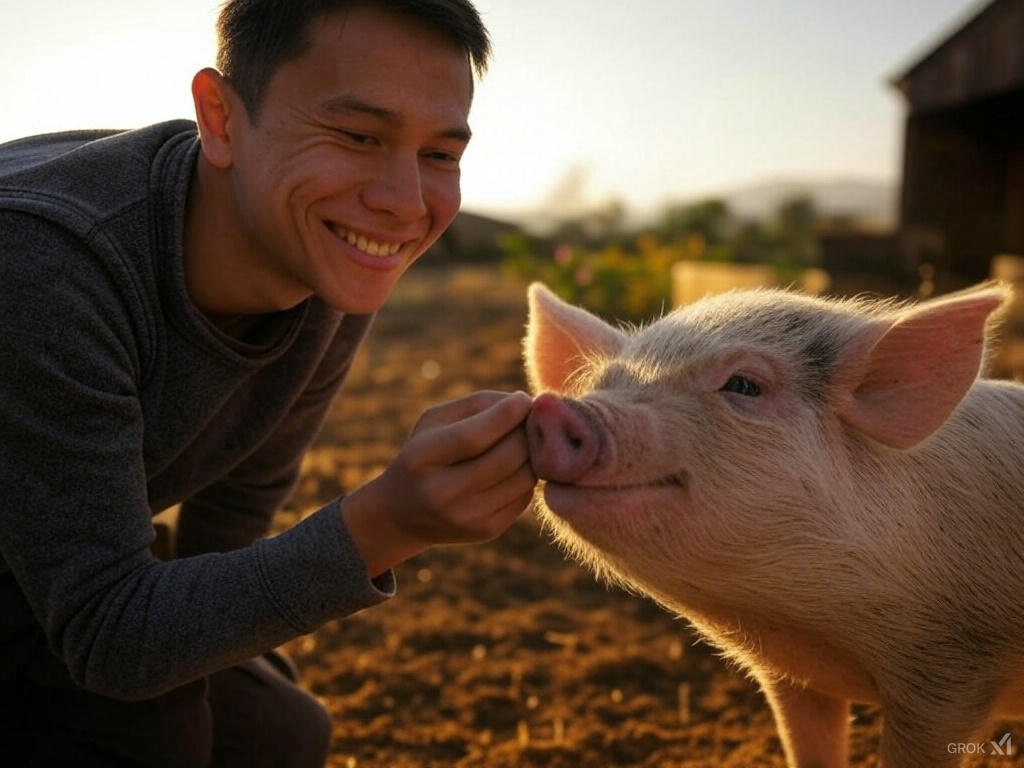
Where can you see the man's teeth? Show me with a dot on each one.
(371, 247)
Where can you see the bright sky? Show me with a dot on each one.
(646, 101)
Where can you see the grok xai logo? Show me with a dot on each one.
(1002, 747)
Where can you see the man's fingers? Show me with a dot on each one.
(495, 465)
(515, 489)
(457, 410)
(504, 503)
(472, 436)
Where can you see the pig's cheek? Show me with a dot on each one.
(566, 501)
(609, 517)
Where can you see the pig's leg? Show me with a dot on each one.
(814, 728)
(918, 733)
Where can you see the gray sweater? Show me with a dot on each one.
(118, 399)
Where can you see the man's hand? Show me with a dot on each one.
(464, 475)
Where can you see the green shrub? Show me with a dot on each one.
(614, 282)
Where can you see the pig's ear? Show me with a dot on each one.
(559, 337)
(905, 385)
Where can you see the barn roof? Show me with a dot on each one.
(982, 55)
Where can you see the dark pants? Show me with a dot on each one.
(251, 715)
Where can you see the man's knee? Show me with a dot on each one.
(260, 717)
(65, 725)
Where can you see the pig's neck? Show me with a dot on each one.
(776, 648)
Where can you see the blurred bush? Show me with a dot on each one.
(610, 280)
(594, 261)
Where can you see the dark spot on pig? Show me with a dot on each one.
(981, 643)
(819, 358)
(970, 420)
(794, 324)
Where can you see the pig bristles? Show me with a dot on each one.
(606, 574)
(582, 377)
(574, 548)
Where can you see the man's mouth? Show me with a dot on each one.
(364, 244)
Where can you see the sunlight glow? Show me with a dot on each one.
(647, 102)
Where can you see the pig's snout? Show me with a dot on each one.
(562, 438)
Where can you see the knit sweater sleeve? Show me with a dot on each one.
(75, 524)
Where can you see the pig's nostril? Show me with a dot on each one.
(575, 443)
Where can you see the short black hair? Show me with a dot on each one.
(254, 37)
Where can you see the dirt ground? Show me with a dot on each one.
(505, 654)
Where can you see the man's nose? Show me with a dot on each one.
(397, 190)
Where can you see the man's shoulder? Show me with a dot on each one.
(93, 171)
(23, 154)
(94, 214)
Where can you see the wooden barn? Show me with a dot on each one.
(962, 199)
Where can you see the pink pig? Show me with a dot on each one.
(825, 489)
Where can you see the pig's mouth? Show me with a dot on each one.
(584, 505)
(679, 480)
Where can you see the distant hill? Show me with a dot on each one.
(876, 201)
(869, 201)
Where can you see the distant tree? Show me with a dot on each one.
(596, 227)
(570, 230)
(796, 221)
(711, 219)
(607, 222)
(754, 242)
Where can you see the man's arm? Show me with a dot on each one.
(75, 523)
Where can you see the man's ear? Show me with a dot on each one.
(216, 104)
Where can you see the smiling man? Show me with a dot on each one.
(181, 304)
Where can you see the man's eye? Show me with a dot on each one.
(444, 157)
(741, 385)
(357, 138)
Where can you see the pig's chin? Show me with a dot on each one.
(575, 503)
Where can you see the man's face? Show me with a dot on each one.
(352, 169)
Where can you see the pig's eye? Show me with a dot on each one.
(741, 385)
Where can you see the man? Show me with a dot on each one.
(179, 311)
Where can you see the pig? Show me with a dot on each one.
(826, 489)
